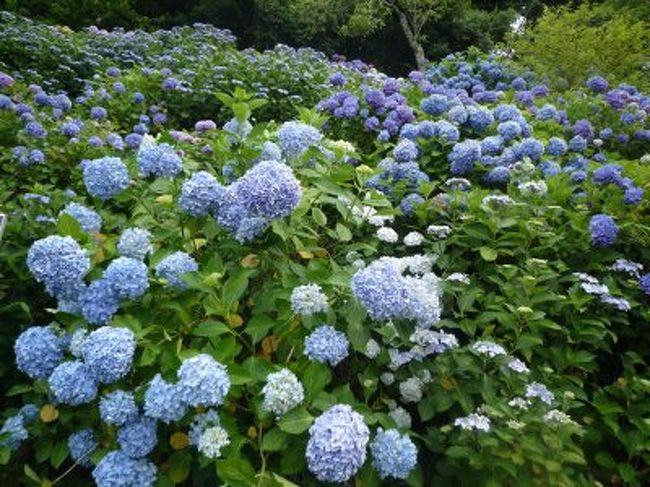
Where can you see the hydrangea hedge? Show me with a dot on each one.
(434, 280)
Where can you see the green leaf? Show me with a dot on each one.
(318, 216)
(274, 440)
(315, 378)
(296, 421)
(235, 286)
(68, 225)
(18, 389)
(179, 466)
(236, 471)
(488, 254)
(59, 454)
(210, 329)
(343, 232)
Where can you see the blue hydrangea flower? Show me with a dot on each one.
(282, 392)
(509, 129)
(250, 228)
(270, 152)
(577, 144)
(336, 449)
(15, 428)
(463, 156)
(492, 145)
(89, 219)
(95, 141)
(138, 438)
(105, 177)
(60, 264)
(98, 113)
(133, 140)
(240, 129)
(201, 194)
(127, 277)
(540, 391)
(81, 445)
(498, 175)
(603, 230)
(633, 196)
(269, 190)
(308, 300)
(597, 84)
(163, 401)
(474, 421)
(98, 302)
(644, 283)
(212, 440)
(117, 408)
(159, 160)
(393, 455)
(29, 412)
(529, 147)
(608, 174)
(556, 146)
(200, 423)
(73, 383)
(405, 151)
(35, 129)
(135, 243)
(38, 351)
(174, 266)
(479, 118)
(327, 345)
(296, 137)
(435, 104)
(108, 352)
(203, 381)
(117, 469)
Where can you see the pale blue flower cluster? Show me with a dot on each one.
(336, 449)
(540, 391)
(308, 300)
(108, 353)
(60, 264)
(135, 243)
(88, 219)
(201, 194)
(159, 160)
(282, 392)
(488, 348)
(296, 137)
(105, 177)
(603, 230)
(212, 441)
(38, 351)
(14, 427)
(98, 302)
(73, 383)
(327, 345)
(162, 401)
(117, 469)
(137, 438)
(81, 445)
(174, 266)
(474, 421)
(117, 408)
(127, 277)
(393, 455)
(202, 381)
(200, 423)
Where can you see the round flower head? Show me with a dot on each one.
(393, 455)
(117, 408)
(108, 352)
(81, 445)
(162, 401)
(159, 160)
(387, 234)
(204, 125)
(488, 348)
(14, 427)
(105, 177)
(644, 284)
(296, 137)
(603, 230)
(463, 156)
(405, 151)
(201, 194)
(174, 266)
(308, 300)
(38, 351)
(98, 302)
(212, 440)
(137, 438)
(29, 412)
(117, 469)
(269, 190)
(203, 381)
(282, 392)
(88, 219)
(336, 449)
(127, 277)
(200, 423)
(73, 383)
(250, 228)
(135, 243)
(60, 264)
(327, 345)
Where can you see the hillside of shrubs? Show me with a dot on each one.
(245, 268)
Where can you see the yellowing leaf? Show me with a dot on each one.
(306, 254)
(179, 440)
(250, 261)
(252, 432)
(270, 344)
(235, 320)
(165, 199)
(49, 413)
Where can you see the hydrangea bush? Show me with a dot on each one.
(434, 280)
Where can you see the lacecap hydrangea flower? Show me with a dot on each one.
(117, 469)
(105, 177)
(88, 219)
(135, 243)
(488, 348)
(474, 421)
(73, 383)
(108, 353)
(296, 137)
(117, 408)
(327, 345)
(162, 401)
(127, 277)
(38, 351)
(81, 445)
(540, 391)
(202, 381)
(60, 264)
(308, 300)
(282, 392)
(336, 449)
(603, 230)
(137, 438)
(201, 194)
(393, 455)
(159, 160)
(174, 266)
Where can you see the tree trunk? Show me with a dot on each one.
(416, 47)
